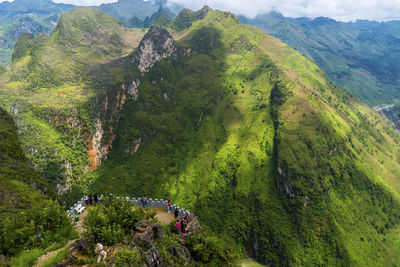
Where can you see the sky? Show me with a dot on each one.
(343, 10)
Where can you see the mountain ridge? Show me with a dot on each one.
(358, 56)
(231, 123)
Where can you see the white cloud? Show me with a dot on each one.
(78, 2)
(344, 10)
(85, 2)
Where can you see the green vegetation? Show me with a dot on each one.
(62, 254)
(109, 223)
(28, 258)
(53, 85)
(2, 70)
(114, 222)
(235, 126)
(359, 56)
(253, 138)
(25, 210)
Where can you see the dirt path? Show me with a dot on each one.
(79, 225)
(163, 215)
(44, 258)
(40, 261)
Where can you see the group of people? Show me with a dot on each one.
(181, 225)
(91, 199)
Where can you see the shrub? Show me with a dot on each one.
(127, 257)
(110, 222)
(21, 230)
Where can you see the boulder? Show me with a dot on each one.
(180, 252)
(153, 258)
(71, 260)
(141, 226)
(3, 258)
(79, 245)
(193, 226)
(152, 232)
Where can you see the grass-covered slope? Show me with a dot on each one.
(252, 137)
(359, 56)
(26, 208)
(52, 89)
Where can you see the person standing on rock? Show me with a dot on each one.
(95, 198)
(169, 206)
(87, 200)
(90, 199)
(101, 252)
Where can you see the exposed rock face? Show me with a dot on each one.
(80, 245)
(155, 45)
(96, 152)
(180, 252)
(289, 190)
(3, 258)
(141, 226)
(153, 258)
(151, 232)
(133, 90)
(193, 226)
(14, 109)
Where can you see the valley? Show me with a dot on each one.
(223, 119)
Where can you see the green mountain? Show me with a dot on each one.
(28, 16)
(26, 205)
(222, 119)
(51, 90)
(359, 56)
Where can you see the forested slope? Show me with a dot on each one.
(222, 119)
(252, 136)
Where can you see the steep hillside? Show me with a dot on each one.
(53, 91)
(30, 16)
(360, 56)
(225, 120)
(26, 208)
(251, 136)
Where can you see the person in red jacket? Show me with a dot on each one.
(169, 206)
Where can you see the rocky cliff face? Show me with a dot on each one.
(155, 45)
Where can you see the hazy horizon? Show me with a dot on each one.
(341, 10)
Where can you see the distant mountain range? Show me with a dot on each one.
(26, 16)
(362, 57)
